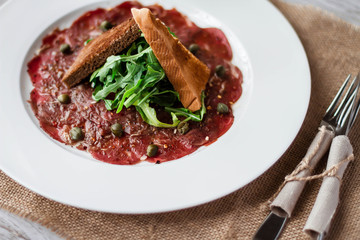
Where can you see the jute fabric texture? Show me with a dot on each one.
(333, 50)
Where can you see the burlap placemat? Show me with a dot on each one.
(332, 48)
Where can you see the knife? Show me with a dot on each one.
(331, 125)
(271, 228)
(284, 203)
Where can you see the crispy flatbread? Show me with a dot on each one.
(95, 53)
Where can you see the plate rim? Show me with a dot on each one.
(10, 173)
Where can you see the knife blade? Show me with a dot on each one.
(271, 228)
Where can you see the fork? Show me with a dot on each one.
(336, 121)
(340, 154)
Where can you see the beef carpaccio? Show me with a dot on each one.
(47, 68)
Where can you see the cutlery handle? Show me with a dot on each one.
(284, 203)
(271, 228)
(341, 153)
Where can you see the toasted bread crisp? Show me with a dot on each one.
(187, 74)
(95, 53)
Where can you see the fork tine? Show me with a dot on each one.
(348, 111)
(356, 112)
(356, 108)
(336, 99)
(352, 114)
(346, 98)
(348, 114)
(348, 102)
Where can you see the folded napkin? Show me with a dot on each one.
(284, 203)
(328, 196)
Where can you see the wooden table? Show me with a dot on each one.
(14, 227)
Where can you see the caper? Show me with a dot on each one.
(222, 108)
(193, 48)
(76, 134)
(183, 127)
(65, 48)
(117, 129)
(152, 150)
(105, 25)
(220, 70)
(64, 99)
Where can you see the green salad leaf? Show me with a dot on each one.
(136, 78)
(197, 117)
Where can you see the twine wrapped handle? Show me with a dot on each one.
(331, 172)
(341, 153)
(290, 190)
(285, 199)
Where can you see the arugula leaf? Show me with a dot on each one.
(171, 32)
(113, 87)
(197, 116)
(87, 41)
(148, 114)
(127, 94)
(165, 98)
(101, 73)
(136, 78)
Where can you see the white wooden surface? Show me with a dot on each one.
(16, 228)
(13, 227)
(349, 10)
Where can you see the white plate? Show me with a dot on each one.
(267, 117)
